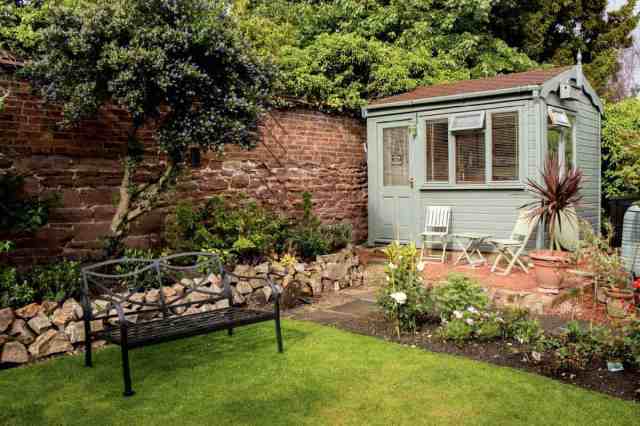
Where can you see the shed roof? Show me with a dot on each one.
(499, 82)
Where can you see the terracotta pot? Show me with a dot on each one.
(618, 301)
(550, 267)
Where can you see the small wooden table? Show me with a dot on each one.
(471, 249)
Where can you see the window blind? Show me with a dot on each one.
(504, 136)
(437, 151)
(470, 157)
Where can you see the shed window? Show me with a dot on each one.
(504, 152)
(470, 157)
(437, 151)
(396, 156)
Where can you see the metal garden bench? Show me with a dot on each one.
(204, 304)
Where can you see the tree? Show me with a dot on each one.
(337, 55)
(554, 30)
(621, 148)
(179, 66)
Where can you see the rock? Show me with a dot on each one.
(257, 283)
(100, 305)
(267, 292)
(169, 292)
(244, 287)
(6, 318)
(242, 270)
(3, 339)
(299, 267)
(277, 268)
(257, 298)
(14, 353)
(48, 306)
(29, 311)
(153, 296)
(199, 281)
(217, 289)
(262, 268)
(137, 299)
(213, 279)
(200, 295)
(291, 295)
(49, 343)
(40, 323)
(178, 288)
(186, 282)
(70, 311)
(315, 281)
(97, 344)
(238, 299)
(222, 304)
(76, 333)
(335, 271)
(192, 310)
(21, 332)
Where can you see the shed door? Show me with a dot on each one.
(395, 209)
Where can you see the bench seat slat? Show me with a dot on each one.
(177, 327)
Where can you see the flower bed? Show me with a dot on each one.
(39, 330)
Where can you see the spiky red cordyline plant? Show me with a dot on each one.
(554, 195)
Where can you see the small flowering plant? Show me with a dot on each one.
(470, 323)
(403, 297)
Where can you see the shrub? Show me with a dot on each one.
(56, 281)
(241, 230)
(457, 294)
(338, 235)
(404, 299)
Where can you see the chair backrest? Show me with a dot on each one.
(524, 226)
(437, 219)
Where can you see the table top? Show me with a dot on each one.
(472, 236)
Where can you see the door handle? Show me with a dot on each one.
(411, 181)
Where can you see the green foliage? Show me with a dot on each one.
(546, 30)
(404, 299)
(458, 293)
(621, 148)
(140, 282)
(241, 230)
(336, 55)
(55, 281)
(18, 212)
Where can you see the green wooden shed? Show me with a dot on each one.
(473, 144)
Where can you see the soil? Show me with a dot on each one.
(363, 318)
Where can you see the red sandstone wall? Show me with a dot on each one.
(299, 150)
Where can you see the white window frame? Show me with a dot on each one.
(486, 130)
(562, 143)
(480, 125)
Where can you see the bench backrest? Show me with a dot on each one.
(172, 283)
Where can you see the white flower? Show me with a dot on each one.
(472, 310)
(392, 265)
(470, 321)
(420, 266)
(457, 314)
(400, 297)
(387, 277)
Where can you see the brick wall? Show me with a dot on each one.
(299, 150)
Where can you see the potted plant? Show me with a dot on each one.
(554, 206)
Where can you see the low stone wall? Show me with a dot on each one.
(37, 330)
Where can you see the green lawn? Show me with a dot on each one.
(325, 376)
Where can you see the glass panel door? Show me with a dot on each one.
(395, 161)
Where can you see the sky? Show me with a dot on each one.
(614, 4)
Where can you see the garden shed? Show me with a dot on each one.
(473, 144)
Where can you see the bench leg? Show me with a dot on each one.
(230, 331)
(87, 345)
(126, 370)
(277, 321)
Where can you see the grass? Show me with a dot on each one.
(325, 376)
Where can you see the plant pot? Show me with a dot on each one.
(550, 267)
(618, 301)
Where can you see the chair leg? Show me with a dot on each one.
(497, 261)
(513, 260)
(422, 249)
(230, 331)
(126, 370)
(444, 250)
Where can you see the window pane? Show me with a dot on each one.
(438, 151)
(554, 136)
(568, 145)
(395, 148)
(470, 157)
(504, 134)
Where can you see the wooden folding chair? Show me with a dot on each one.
(436, 230)
(511, 248)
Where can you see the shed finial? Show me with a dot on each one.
(579, 75)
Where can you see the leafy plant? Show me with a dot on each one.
(558, 192)
(56, 281)
(458, 293)
(404, 299)
(20, 212)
